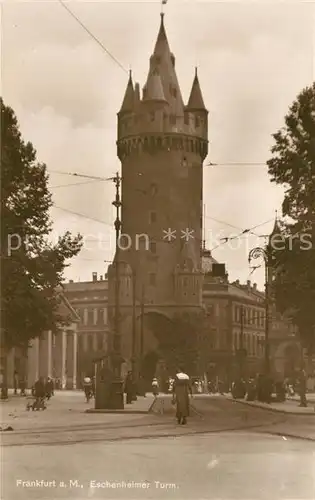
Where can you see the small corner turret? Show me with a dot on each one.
(128, 101)
(196, 114)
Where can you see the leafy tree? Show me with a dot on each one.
(31, 266)
(293, 166)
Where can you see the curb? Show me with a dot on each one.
(270, 408)
(118, 412)
(291, 436)
(123, 411)
(155, 435)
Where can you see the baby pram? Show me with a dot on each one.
(36, 403)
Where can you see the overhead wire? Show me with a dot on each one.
(245, 231)
(74, 184)
(86, 29)
(78, 214)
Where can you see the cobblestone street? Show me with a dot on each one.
(150, 456)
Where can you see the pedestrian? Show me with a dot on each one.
(39, 388)
(15, 381)
(181, 390)
(129, 388)
(22, 386)
(302, 389)
(87, 387)
(49, 388)
(155, 387)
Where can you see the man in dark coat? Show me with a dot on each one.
(39, 388)
(129, 388)
(181, 390)
(16, 381)
(49, 388)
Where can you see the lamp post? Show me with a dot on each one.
(256, 253)
(117, 224)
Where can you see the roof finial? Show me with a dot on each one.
(276, 214)
(196, 71)
(163, 2)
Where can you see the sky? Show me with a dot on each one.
(253, 59)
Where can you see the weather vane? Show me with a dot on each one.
(163, 2)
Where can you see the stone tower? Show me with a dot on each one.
(161, 145)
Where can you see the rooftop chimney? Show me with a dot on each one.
(248, 283)
(94, 276)
(70, 281)
(101, 278)
(237, 282)
(255, 286)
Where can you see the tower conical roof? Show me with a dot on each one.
(163, 60)
(276, 228)
(128, 101)
(137, 94)
(195, 101)
(154, 88)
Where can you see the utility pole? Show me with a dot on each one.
(142, 330)
(256, 253)
(241, 351)
(267, 319)
(116, 340)
(134, 335)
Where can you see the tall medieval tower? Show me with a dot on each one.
(161, 145)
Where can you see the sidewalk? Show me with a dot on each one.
(289, 407)
(66, 409)
(141, 406)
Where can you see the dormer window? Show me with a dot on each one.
(173, 90)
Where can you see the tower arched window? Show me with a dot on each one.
(197, 121)
(153, 247)
(153, 217)
(153, 189)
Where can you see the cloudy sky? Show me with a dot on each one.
(253, 58)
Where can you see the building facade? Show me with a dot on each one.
(51, 355)
(236, 318)
(89, 299)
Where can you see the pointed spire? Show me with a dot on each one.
(137, 94)
(128, 101)
(154, 87)
(276, 227)
(195, 101)
(161, 44)
(164, 60)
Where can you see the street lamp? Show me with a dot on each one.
(116, 341)
(258, 253)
